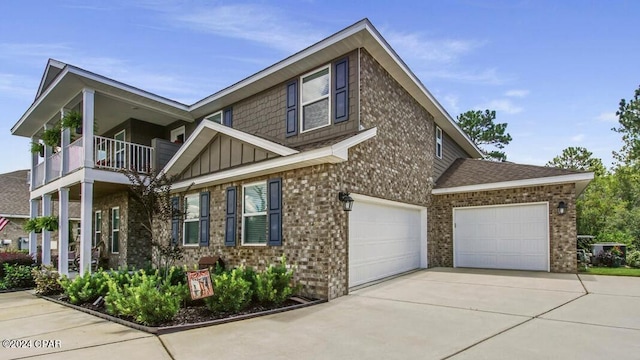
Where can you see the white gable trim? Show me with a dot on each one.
(330, 154)
(203, 134)
(580, 179)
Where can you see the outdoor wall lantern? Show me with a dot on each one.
(347, 201)
(562, 208)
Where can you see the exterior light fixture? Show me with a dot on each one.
(562, 208)
(347, 201)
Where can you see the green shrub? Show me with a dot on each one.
(147, 298)
(17, 276)
(273, 286)
(231, 292)
(86, 288)
(47, 280)
(14, 258)
(633, 259)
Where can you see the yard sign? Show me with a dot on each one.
(199, 282)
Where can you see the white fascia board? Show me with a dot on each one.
(385, 202)
(329, 154)
(561, 179)
(50, 63)
(354, 29)
(78, 176)
(14, 216)
(251, 139)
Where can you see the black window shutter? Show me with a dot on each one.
(227, 117)
(230, 218)
(204, 219)
(175, 220)
(341, 90)
(292, 108)
(274, 193)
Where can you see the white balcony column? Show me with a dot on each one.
(34, 164)
(64, 151)
(63, 231)
(86, 209)
(48, 151)
(46, 235)
(88, 112)
(33, 237)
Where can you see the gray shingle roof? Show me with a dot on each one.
(464, 172)
(14, 196)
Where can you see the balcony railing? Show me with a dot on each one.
(109, 154)
(119, 155)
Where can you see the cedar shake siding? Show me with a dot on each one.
(451, 151)
(265, 114)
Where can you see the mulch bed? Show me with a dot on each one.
(194, 316)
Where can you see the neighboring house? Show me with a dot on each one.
(262, 162)
(14, 206)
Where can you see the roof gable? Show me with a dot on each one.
(202, 139)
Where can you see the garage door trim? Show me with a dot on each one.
(547, 224)
(423, 219)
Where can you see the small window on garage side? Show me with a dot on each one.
(191, 218)
(438, 143)
(254, 214)
(177, 135)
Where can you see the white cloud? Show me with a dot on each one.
(451, 103)
(417, 46)
(16, 86)
(258, 23)
(607, 117)
(577, 138)
(486, 77)
(34, 50)
(501, 105)
(517, 93)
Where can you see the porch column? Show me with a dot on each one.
(33, 237)
(48, 151)
(63, 231)
(86, 208)
(87, 126)
(46, 235)
(34, 164)
(64, 152)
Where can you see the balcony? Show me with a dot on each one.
(108, 154)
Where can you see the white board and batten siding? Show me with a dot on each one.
(385, 238)
(502, 236)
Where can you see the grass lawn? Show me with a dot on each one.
(621, 271)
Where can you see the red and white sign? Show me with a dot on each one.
(200, 285)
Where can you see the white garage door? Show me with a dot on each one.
(384, 239)
(502, 237)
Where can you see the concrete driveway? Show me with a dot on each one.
(431, 314)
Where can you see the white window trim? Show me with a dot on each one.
(196, 220)
(253, 214)
(115, 230)
(177, 132)
(328, 96)
(208, 117)
(439, 142)
(97, 233)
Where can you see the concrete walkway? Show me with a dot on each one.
(431, 314)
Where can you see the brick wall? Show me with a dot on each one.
(562, 228)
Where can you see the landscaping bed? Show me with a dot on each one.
(160, 301)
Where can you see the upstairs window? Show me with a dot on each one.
(215, 117)
(177, 135)
(315, 99)
(438, 143)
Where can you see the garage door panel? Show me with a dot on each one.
(502, 237)
(384, 240)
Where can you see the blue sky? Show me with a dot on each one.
(553, 70)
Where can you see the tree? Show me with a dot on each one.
(151, 195)
(578, 158)
(629, 126)
(482, 130)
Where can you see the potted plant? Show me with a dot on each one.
(51, 137)
(37, 148)
(73, 120)
(48, 223)
(32, 225)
